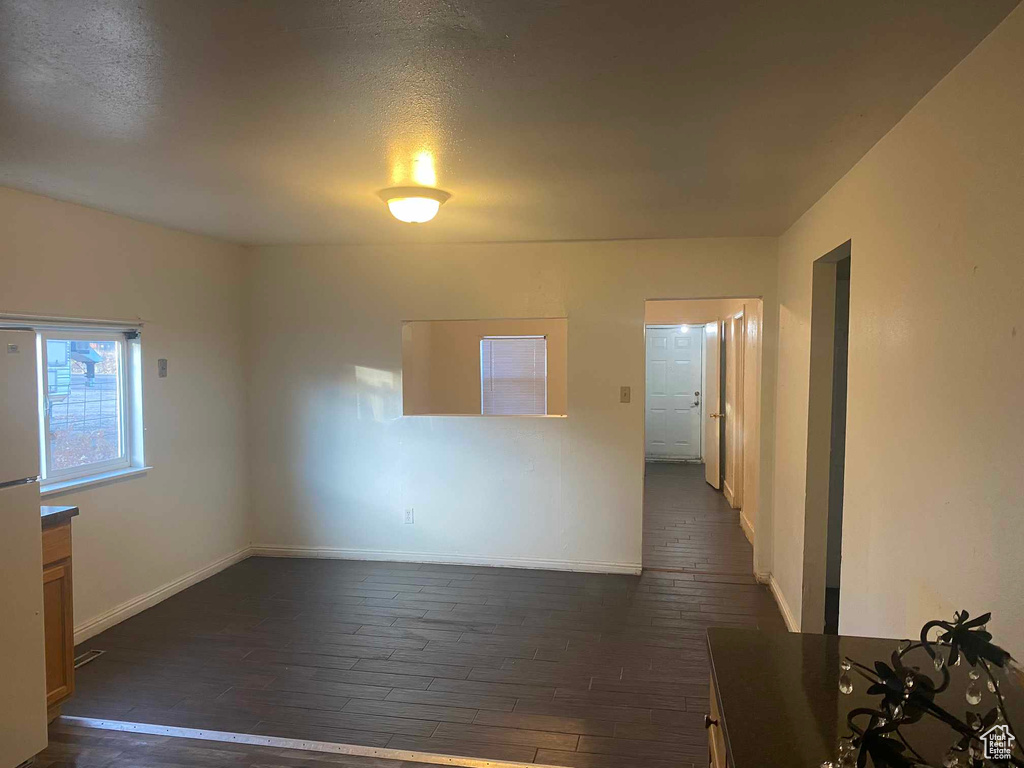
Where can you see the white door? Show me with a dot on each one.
(712, 405)
(673, 392)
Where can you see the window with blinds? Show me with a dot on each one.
(513, 376)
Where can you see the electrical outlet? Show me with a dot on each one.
(409, 516)
(161, 368)
(624, 394)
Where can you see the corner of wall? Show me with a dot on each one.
(247, 255)
(93, 626)
(780, 599)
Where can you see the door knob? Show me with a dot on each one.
(717, 415)
(708, 722)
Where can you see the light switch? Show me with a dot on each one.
(624, 394)
(161, 368)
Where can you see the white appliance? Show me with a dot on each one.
(22, 651)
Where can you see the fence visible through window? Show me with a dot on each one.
(83, 402)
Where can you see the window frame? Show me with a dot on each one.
(124, 460)
(483, 379)
(131, 433)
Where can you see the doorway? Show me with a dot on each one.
(826, 442)
(702, 434)
(672, 408)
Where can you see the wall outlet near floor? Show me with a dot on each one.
(409, 516)
(161, 368)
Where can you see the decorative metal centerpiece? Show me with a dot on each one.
(984, 737)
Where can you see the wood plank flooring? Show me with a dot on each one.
(91, 748)
(688, 525)
(552, 667)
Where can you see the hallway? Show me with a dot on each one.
(689, 526)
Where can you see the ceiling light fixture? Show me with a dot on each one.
(413, 205)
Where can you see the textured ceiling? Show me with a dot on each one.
(271, 122)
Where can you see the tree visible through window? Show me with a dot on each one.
(513, 376)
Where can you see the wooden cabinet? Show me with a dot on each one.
(58, 608)
(716, 741)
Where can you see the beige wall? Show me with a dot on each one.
(690, 312)
(140, 534)
(753, 318)
(441, 363)
(334, 463)
(934, 478)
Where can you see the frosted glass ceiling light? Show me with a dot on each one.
(413, 205)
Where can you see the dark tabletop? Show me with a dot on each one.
(780, 704)
(56, 515)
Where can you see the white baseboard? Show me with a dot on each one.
(585, 566)
(748, 529)
(773, 585)
(126, 610)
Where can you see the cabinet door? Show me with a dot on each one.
(60, 650)
(716, 741)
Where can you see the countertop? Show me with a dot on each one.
(56, 515)
(780, 704)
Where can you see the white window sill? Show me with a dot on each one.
(63, 486)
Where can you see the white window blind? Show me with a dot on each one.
(513, 376)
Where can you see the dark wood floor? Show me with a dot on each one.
(689, 526)
(535, 666)
(91, 748)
